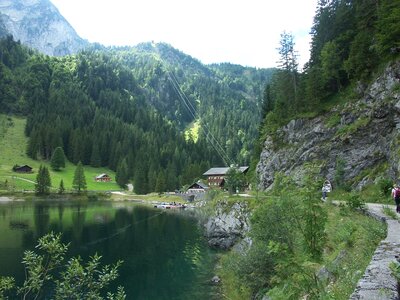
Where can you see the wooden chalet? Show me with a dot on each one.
(197, 187)
(216, 176)
(23, 169)
(103, 178)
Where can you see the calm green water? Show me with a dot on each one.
(164, 253)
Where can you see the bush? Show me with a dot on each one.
(47, 273)
(385, 186)
(354, 201)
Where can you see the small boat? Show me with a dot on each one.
(170, 206)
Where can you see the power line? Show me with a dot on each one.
(192, 110)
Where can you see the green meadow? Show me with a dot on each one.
(13, 144)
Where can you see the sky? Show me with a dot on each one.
(245, 32)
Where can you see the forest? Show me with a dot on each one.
(351, 41)
(129, 108)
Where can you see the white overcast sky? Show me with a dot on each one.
(244, 32)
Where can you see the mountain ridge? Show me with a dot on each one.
(39, 24)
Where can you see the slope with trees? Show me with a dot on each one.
(118, 108)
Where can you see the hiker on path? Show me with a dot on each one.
(396, 197)
(326, 188)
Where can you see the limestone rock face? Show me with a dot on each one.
(363, 133)
(228, 226)
(38, 24)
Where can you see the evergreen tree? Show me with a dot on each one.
(284, 85)
(43, 181)
(314, 216)
(140, 179)
(161, 184)
(171, 177)
(61, 188)
(58, 159)
(79, 181)
(95, 159)
(121, 176)
(234, 180)
(388, 25)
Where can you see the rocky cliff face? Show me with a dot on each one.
(363, 134)
(38, 24)
(228, 226)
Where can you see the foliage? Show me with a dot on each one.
(58, 159)
(278, 265)
(61, 188)
(43, 181)
(353, 127)
(79, 181)
(315, 217)
(385, 186)
(104, 106)
(47, 274)
(333, 120)
(122, 174)
(354, 201)
(234, 180)
(351, 40)
(389, 212)
(395, 270)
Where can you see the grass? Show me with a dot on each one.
(352, 238)
(389, 212)
(333, 120)
(13, 144)
(193, 131)
(355, 235)
(353, 127)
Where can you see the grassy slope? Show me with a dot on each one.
(350, 235)
(13, 145)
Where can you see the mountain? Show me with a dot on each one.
(340, 116)
(222, 100)
(361, 138)
(38, 24)
(130, 109)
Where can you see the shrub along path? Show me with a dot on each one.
(377, 281)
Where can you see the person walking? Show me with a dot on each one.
(326, 188)
(396, 197)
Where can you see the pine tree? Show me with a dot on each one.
(121, 176)
(140, 180)
(61, 188)
(161, 182)
(95, 159)
(43, 181)
(58, 159)
(79, 181)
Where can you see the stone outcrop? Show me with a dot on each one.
(38, 24)
(363, 133)
(228, 226)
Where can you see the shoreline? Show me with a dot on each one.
(7, 199)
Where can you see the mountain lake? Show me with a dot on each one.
(164, 253)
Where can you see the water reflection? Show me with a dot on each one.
(164, 254)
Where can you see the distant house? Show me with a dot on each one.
(216, 176)
(22, 169)
(197, 187)
(103, 178)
